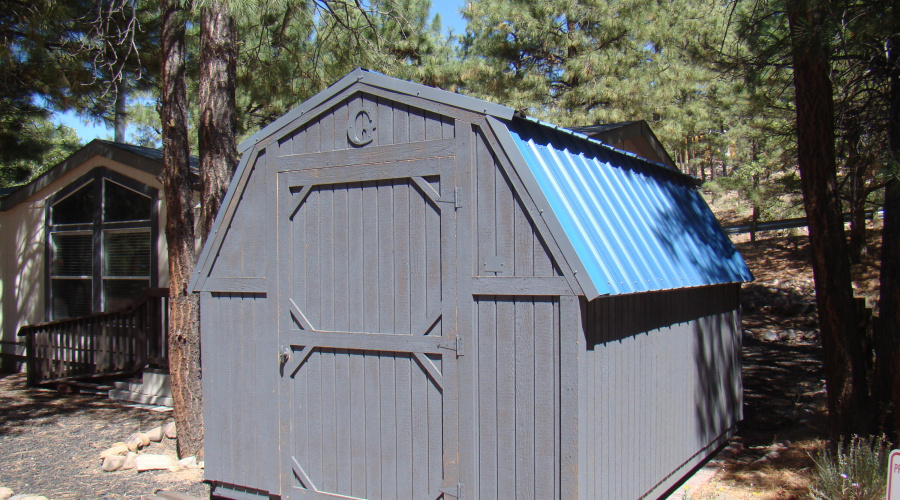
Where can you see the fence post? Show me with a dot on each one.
(30, 358)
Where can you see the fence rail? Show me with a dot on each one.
(785, 224)
(106, 343)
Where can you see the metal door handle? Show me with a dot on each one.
(284, 354)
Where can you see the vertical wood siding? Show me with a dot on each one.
(516, 349)
(396, 123)
(240, 255)
(240, 390)
(366, 257)
(503, 227)
(663, 383)
(368, 424)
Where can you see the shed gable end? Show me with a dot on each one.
(365, 120)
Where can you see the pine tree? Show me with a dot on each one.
(841, 339)
(586, 62)
(184, 333)
(29, 147)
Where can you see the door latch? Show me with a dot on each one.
(284, 354)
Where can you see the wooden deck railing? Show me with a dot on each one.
(108, 343)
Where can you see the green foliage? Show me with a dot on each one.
(60, 55)
(71, 53)
(674, 64)
(576, 63)
(29, 148)
(144, 123)
(289, 50)
(856, 471)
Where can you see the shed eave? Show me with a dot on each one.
(129, 156)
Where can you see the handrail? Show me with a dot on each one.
(122, 341)
(141, 299)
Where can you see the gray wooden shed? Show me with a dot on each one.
(410, 293)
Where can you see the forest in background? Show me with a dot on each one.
(792, 104)
(713, 79)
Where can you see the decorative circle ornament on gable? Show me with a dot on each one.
(361, 126)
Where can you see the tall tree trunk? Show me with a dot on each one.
(217, 129)
(754, 215)
(121, 117)
(888, 343)
(843, 359)
(184, 324)
(857, 170)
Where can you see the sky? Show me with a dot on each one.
(450, 14)
(89, 130)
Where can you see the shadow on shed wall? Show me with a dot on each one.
(662, 379)
(614, 318)
(717, 355)
(716, 341)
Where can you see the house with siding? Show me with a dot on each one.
(86, 237)
(410, 293)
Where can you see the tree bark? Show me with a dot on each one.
(857, 170)
(184, 331)
(887, 343)
(217, 128)
(121, 116)
(754, 215)
(842, 350)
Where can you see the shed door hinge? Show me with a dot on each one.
(456, 345)
(456, 199)
(458, 491)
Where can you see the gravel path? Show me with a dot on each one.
(50, 445)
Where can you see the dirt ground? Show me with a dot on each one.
(785, 419)
(50, 445)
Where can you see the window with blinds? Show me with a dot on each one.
(73, 255)
(100, 242)
(126, 254)
(126, 267)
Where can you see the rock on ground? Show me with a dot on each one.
(130, 461)
(113, 463)
(74, 429)
(155, 434)
(147, 461)
(116, 449)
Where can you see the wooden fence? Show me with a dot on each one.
(776, 225)
(108, 343)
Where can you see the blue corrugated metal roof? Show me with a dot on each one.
(635, 226)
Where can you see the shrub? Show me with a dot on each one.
(857, 470)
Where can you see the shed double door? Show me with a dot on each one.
(367, 325)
